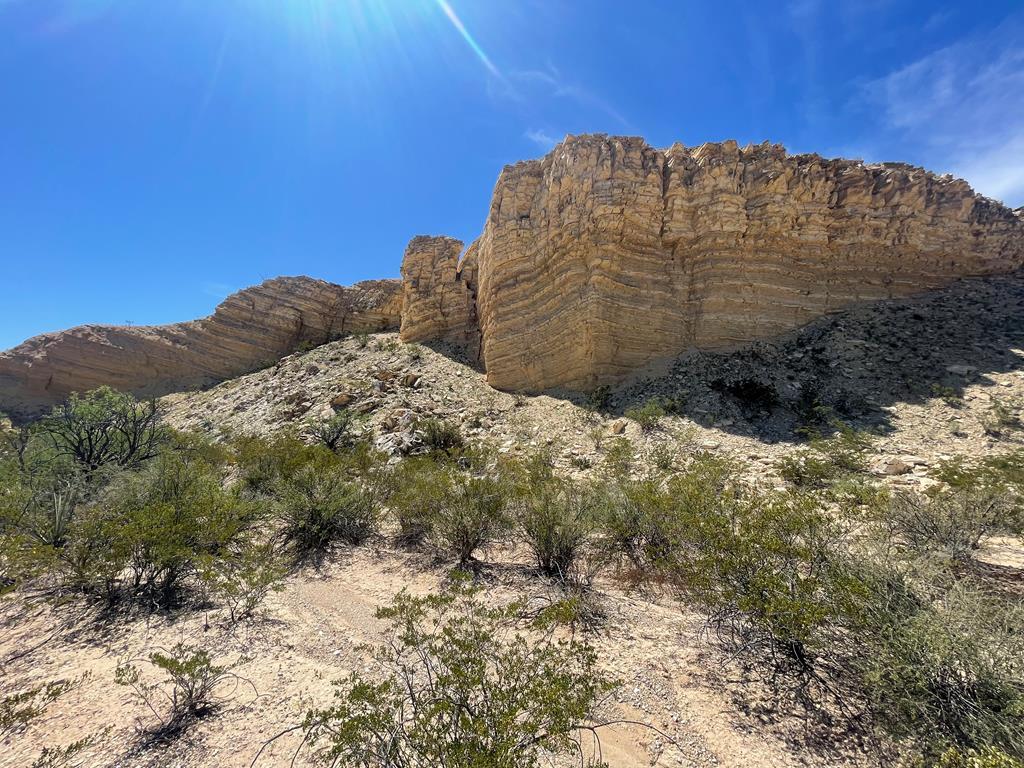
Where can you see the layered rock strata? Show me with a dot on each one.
(439, 292)
(601, 257)
(250, 329)
(608, 254)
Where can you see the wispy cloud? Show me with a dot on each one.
(542, 139)
(555, 85)
(963, 105)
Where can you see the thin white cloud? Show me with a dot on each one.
(555, 85)
(542, 139)
(963, 107)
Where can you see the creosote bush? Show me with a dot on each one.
(320, 506)
(557, 519)
(419, 490)
(827, 459)
(648, 415)
(458, 685)
(192, 688)
(475, 514)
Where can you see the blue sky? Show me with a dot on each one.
(156, 155)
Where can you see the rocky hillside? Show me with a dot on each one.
(931, 376)
(250, 329)
(601, 258)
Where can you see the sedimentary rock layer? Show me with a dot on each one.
(439, 292)
(250, 329)
(607, 253)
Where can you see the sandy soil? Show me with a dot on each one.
(671, 675)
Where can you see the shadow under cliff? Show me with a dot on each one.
(852, 365)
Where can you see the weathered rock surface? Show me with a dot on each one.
(250, 329)
(439, 292)
(607, 253)
(601, 257)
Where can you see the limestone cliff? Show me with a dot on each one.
(439, 292)
(250, 329)
(607, 253)
(601, 257)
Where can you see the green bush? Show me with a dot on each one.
(475, 515)
(157, 525)
(318, 507)
(946, 672)
(192, 688)
(105, 427)
(266, 463)
(620, 456)
(764, 567)
(458, 686)
(440, 436)
(337, 432)
(648, 415)
(986, 757)
(952, 522)
(420, 488)
(556, 520)
(828, 459)
(241, 580)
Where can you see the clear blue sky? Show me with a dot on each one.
(157, 154)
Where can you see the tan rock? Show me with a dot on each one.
(608, 254)
(250, 329)
(439, 292)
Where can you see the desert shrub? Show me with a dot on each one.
(556, 521)
(440, 436)
(600, 399)
(241, 580)
(105, 427)
(949, 395)
(945, 672)
(266, 463)
(474, 515)
(420, 488)
(763, 567)
(318, 507)
(165, 519)
(664, 456)
(18, 710)
(999, 473)
(581, 462)
(648, 415)
(457, 685)
(827, 459)
(628, 519)
(148, 532)
(192, 686)
(620, 456)
(336, 432)
(1003, 416)
(953, 522)
(986, 757)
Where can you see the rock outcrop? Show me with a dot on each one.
(601, 257)
(249, 330)
(439, 292)
(608, 254)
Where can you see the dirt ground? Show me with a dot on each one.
(671, 675)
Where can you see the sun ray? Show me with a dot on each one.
(470, 40)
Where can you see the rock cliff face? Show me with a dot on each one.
(439, 293)
(601, 257)
(607, 253)
(250, 329)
